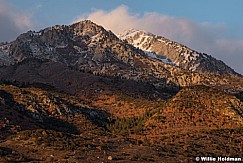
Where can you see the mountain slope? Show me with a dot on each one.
(47, 125)
(176, 53)
(56, 75)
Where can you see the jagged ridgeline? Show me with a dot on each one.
(175, 53)
(90, 48)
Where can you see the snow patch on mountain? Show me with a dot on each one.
(163, 59)
(142, 40)
(5, 59)
(190, 56)
(37, 33)
(193, 68)
(146, 41)
(129, 34)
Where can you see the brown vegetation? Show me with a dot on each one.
(42, 125)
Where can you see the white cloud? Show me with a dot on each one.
(204, 37)
(116, 20)
(231, 51)
(13, 21)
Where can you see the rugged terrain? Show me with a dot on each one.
(175, 53)
(79, 93)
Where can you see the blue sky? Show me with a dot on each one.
(211, 26)
(50, 12)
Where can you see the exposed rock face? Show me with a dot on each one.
(5, 59)
(178, 54)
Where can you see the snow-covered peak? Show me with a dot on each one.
(174, 53)
(138, 38)
(144, 41)
(131, 33)
(160, 46)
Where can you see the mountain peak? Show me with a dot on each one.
(131, 33)
(140, 38)
(179, 54)
(88, 47)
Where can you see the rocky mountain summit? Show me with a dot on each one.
(175, 53)
(84, 46)
(88, 47)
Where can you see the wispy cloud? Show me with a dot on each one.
(39, 6)
(13, 21)
(205, 37)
